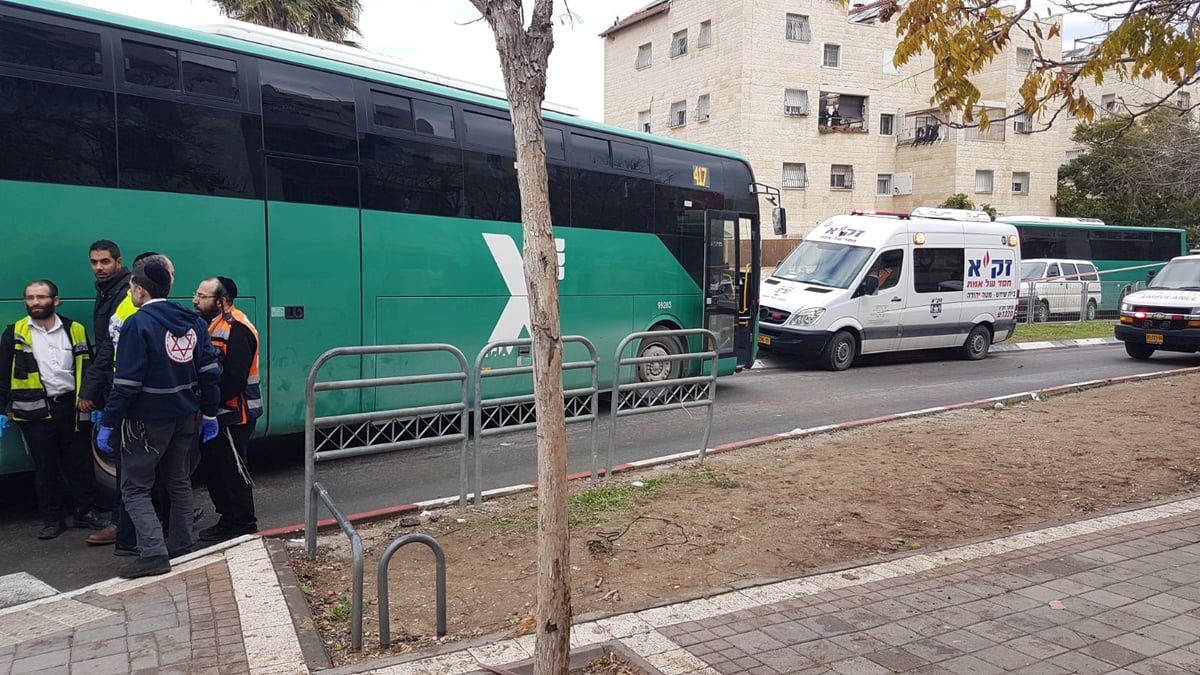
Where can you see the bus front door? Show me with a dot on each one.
(730, 286)
(313, 285)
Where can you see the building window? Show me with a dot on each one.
(831, 56)
(1072, 155)
(1023, 123)
(644, 121)
(678, 114)
(1020, 183)
(645, 56)
(705, 38)
(887, 124)
(797, 28)
(1183, 100)
(883, 184)
(841, 177)
(795, 102)
(795, 175)
(1109, 102)
(1024, 58)
(702, 108)
(679, 43)
(983, 182)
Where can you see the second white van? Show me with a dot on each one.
(867, 283)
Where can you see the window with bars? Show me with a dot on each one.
(644, 121)
(798, 28)
(702, 108)
(1020, 182)
(795, 102)
(841, 177)
(983, 181)
(1108, 102)
(795, 175)
(1023, 123)
(704, 39)
(679, 43)
(1183, 100)
(1024, 58)
(1072, 155)
(883, 184)
(831, 56)
(645, 56)
(678, 114)
(887, 124)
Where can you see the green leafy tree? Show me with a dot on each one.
(1135, 172)
(333, 20)
(961, 201)
(1153, 39)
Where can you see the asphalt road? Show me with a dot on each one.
(785, 395)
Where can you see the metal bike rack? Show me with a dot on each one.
(521, 415)
(385, 630)
(635, 398)
(379, 417)
(318, 492)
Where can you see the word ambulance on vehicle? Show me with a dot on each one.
(868, 283)
(1166, 315)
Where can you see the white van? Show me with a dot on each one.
(1056, 286)
(867, 283)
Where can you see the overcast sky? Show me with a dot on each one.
(441, 38)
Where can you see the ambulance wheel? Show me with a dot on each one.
(659, 371)
(1138, 351)
(840, 351)
(979, 340)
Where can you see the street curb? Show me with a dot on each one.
(760, 364)
(442, 502)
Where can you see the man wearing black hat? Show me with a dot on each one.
(223, 459)
(164, 356)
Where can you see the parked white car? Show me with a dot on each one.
(1057, 286)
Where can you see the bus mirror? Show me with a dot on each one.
(779, 220)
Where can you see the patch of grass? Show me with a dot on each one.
(719, 480)
(341, 611)
(590, 508)
(526, 522)
(1038, 332)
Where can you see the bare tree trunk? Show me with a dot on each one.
(524, 55)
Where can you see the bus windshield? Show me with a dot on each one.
(1033, 270)
(1178, 275)
(824, 263)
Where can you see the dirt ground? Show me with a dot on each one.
(777, 511)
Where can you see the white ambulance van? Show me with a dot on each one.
(868, 283)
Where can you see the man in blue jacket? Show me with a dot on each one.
(164, 359)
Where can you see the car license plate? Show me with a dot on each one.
(764, 340)
(1154, 339)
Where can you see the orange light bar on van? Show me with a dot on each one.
(1012, 240)
(918, 238)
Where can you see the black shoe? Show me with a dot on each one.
(52, 530)
(90, 521)
(219, 532)
(182, 552)
(145, 567)
(123, 551)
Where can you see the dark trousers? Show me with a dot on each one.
(126, 534)
(223, 463)
(62, 462)
(158, 450)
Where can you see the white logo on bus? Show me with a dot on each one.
(513, 323)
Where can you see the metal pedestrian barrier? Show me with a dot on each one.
(503, 414)
(680, 393)
(385, 630)
(356, 553)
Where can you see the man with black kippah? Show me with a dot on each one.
(223, 459)
(164, 356)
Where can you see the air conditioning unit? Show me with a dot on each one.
(902, 183)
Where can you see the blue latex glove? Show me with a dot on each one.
(3, 423)
(95, 416)
(208, 428)
(102, 440)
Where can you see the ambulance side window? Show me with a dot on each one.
(887, 268)
(937, 270)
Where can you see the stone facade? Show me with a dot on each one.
(761, 48)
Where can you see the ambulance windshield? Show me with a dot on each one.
(824, 264)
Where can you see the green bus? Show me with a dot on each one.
(354, 203)
(1123, 255)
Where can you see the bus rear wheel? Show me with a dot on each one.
(659, 345)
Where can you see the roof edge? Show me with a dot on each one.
(653, 9)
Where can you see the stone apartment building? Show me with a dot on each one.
(808, 92)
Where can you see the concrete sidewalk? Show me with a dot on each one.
(1115, 594)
